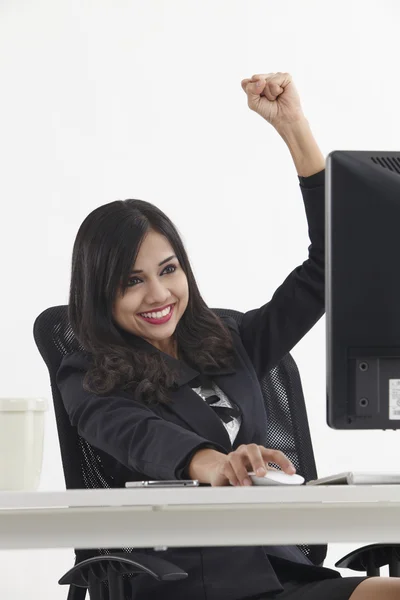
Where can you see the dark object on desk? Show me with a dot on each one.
(84, 465)
(163, 483)
(362, 289)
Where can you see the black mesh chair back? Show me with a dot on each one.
(288, 428)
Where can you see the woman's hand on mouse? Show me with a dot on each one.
(216, 468)
(274, 97)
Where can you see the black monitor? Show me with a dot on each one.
(363, 289)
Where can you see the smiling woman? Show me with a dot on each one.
(132, 284)
(169, 378)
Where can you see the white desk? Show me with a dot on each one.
(118, 518)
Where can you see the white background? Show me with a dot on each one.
(109, 100)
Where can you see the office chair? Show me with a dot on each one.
(107, 574)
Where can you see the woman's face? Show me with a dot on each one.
(160, 287)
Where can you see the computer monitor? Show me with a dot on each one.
(363, 289)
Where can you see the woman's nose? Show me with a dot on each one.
(157, 293)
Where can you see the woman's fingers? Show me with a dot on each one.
(239, 462)
(256, 460)
(277, 457)
(252, 457)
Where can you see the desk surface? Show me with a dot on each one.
(200, 516)
(202, 495)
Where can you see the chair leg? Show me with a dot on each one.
(115, 584)
(76, 593)
(394, 564)
(372, 569)
(96, 589)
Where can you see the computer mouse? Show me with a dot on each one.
(275, 477)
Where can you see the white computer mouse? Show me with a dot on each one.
(276, 478)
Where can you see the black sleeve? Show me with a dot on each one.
(125, 428)
(271, 331)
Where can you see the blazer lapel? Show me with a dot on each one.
(186, 403)
(199, 416)
(190, 407)
(237, 390)
(237, 383)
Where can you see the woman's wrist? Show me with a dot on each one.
(307, 156)
(202, 463)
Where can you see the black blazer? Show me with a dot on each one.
(158, 442)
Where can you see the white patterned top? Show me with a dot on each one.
(233, 426)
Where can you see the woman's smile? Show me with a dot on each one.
(158, 317)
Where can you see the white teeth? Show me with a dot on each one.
(157, 315)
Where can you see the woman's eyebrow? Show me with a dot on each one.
(159, 264)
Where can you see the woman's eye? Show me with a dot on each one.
(165, 271)
(170, 267)
(130, 284)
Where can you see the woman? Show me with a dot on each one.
(155, 353)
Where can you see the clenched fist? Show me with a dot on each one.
(274, 97)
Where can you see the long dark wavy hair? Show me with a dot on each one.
(105, 249)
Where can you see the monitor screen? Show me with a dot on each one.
(363, 289)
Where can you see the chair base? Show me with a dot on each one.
(371, 558)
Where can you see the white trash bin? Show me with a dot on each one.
(21, 442)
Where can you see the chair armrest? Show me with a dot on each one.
(371, 558)
(121, 562)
